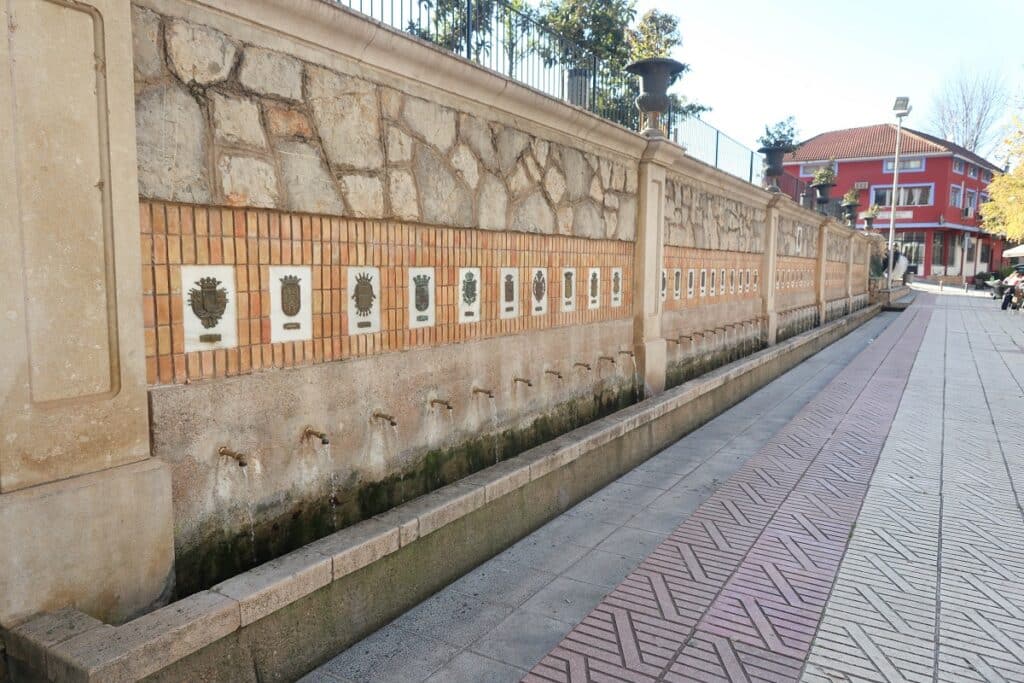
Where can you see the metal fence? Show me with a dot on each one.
(509, 37)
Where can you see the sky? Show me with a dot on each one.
(836, 65)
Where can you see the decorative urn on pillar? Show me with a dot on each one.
(656, 75)
(851, 201)
(776, 142)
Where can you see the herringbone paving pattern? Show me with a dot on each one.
(736, 592)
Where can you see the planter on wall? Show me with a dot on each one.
(821, 192)
(869, 222)
(656, 75)
(773, 164)
(850, 212)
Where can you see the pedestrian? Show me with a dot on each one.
(1011, 282)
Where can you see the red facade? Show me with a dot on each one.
(941, 187)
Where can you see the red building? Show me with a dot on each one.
(941, 186)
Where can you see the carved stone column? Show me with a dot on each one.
(85, 515)
(768, 267)
(819, 273)
(650, 346)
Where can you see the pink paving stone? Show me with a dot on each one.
(737, 591)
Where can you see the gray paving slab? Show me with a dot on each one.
(549, 580)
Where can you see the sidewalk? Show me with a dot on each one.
(857, 519)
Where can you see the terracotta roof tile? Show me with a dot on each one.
(878, 141)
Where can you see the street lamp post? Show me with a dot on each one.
(902, 108)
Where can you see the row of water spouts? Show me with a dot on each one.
(310, 432)
(749, 333)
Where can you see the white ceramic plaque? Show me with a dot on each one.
(568, 285)
(618, 286)
(209, 307)
(721, 283)
(508, 293)
(703, 282)
(421, 298)
(677, 284)
(469, 295)
(732, 280)
(538, 291)
(664, 284)
(364, 303)
(755, 279)
(594, 288)
(711, 286)
(291, 303)
(690, 275)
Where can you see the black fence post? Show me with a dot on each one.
(469, 29)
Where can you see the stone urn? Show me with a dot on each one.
(656, 75)
(822, 191)
(869, 222)
(773, 164)
(850, 212)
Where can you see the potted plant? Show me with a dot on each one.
(776, 142)
(851, 200)
(656, 75)
(824, 181)
(870, 215)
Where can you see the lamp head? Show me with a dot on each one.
(902, 106)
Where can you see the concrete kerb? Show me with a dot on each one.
(441, 533)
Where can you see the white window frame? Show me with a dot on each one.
(960, 163)
(900, 189)
(887, 165)
(807, 170)
(960, 198)
(971, 202)
(972, 171)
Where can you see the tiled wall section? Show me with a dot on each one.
(734, 264)
(252, 240)
(794, 282)
(860, 278)
(835, 280)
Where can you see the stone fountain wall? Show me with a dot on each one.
(261, 159)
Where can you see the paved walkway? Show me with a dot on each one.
(854, 520)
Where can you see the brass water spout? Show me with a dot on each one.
(239, 457)
(438, 402)
(585, 366)
(309, 432)
(627, 353)
(387, 418)
(486, 392)
(555, 373)
(523, 381)
(610, 359)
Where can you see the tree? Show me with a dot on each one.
(1003, 213)
(968, 108)
(655, 35)
(591, 29)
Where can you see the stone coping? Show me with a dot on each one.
(71, 646)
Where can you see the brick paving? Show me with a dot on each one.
(737, 590)
(876, 536)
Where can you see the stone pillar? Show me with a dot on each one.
(768, 267)
(85, 515)
(819, 274)
(849, 271)
(649, 345)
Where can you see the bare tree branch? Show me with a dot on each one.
(968, 108)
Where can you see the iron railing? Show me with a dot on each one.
(509, 37)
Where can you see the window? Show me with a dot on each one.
(971, 245)
(986, 176)
(952, 253)
(906, 165)
(909, 195)
(970, 204)
(986, 253)
(911, 245)
(972, 171)
(958, 165)
(937, 243)
(955, 196)
(807, 170)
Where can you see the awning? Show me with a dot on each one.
(1016, 252)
